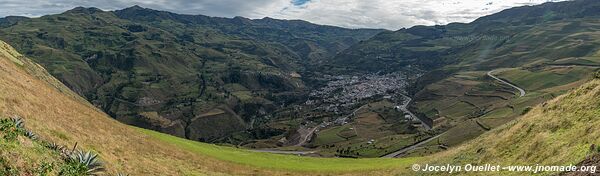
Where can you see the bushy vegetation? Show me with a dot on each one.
(68, 162)
(12, 128)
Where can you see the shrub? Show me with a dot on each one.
(11, 128)
(44, 168)
(73, 168)
(6, 169)
(526, 110)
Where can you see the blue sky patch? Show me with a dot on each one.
(299, 2)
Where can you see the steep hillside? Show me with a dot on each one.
(54, 116)
(313, 43)
(171, 72)
(558, 132)
(58, 115)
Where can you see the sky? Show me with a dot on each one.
(387, 14)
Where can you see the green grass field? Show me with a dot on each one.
(383, 145)
(283, 162)
(547, 78)
(498, 117)
(591, 61)
(329, 136)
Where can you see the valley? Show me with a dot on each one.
(271, 90)
(241, 86)
(350, 111)
(199, 95)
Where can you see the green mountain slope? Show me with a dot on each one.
(192, 76)
(57, 115)
(464, 43)
(558, 132)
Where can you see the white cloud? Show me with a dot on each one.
(389, 14)
(395, 14)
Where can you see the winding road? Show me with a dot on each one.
(521, 91)
(404, 108)
(414, 146)
(306, 134)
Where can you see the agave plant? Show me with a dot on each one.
(18, 121)
(55, 146)
(89, 160)
(31, 135)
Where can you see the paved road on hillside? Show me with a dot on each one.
(404, 108)
(414, 146)
(410, 148)
(521, 91)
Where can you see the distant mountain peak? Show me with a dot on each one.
(135, 7)
(549, 11)
(86, 10)
(139, 9)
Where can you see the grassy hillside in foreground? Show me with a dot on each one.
(57, 115)
(558, 132)
(284, 162)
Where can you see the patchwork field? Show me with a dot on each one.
(477, 103)
(548, 77)
(558, 132)
(376, 130)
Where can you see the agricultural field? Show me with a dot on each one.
(545, 78)
(331, 135)
(569, 118)
(375, 130)
(476, 103)
(579, 61)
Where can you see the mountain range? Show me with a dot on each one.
(166, 71)
(516, 87)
